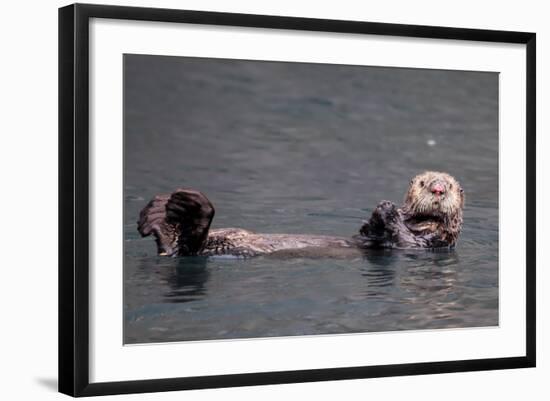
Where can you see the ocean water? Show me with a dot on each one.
(306, 148)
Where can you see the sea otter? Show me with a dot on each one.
(431, 217)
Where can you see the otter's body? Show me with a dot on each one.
(431, 217)
(236, 241)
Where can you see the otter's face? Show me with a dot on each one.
(434, 194)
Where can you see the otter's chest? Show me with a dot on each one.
(423, 226)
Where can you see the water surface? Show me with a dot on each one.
(306, 148)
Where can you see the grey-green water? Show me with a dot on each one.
(306, 148)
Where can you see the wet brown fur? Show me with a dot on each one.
(181, 221)
(425, 212)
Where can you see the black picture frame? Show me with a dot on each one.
(74, 198)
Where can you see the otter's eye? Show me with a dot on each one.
(461, 191)
(421, 183)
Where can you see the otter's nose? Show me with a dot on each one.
(437, 188)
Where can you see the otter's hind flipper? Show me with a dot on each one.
(179, 222)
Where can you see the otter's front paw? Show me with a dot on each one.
(376, 226)
(385, 211)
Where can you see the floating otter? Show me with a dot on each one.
(431, 217)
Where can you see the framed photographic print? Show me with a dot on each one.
(249, 199)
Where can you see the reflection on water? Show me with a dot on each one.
(303, 148)
(194, 298)
(186, 282)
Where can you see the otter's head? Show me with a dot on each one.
(437, 196)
